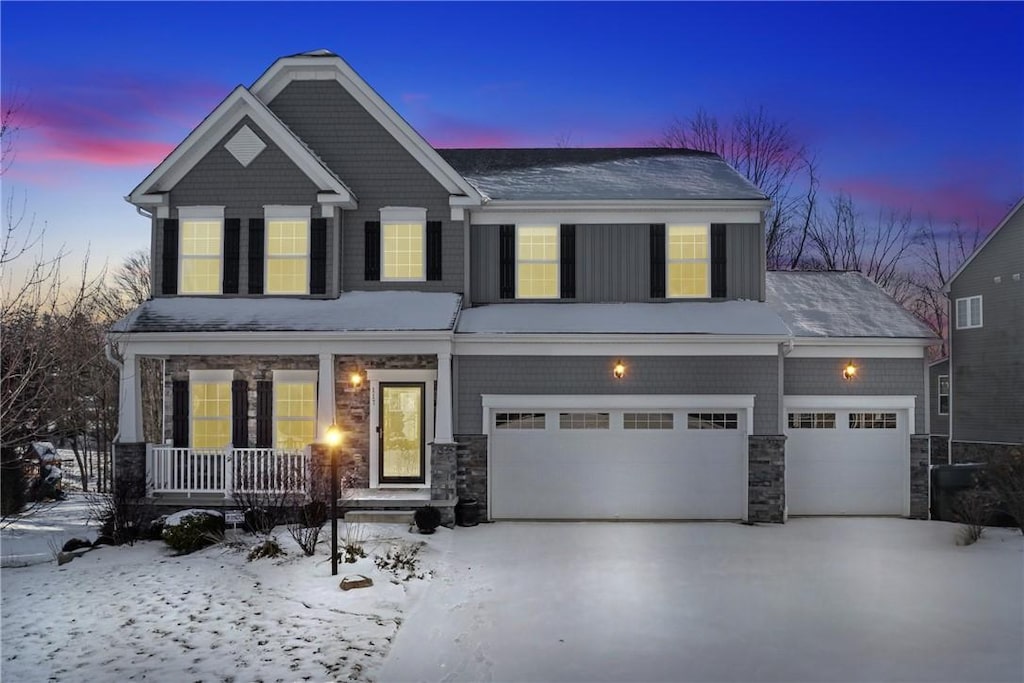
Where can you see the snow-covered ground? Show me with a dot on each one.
(141, 613)
(812, 600)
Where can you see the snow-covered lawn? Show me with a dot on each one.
(813, 600)
(141, 613)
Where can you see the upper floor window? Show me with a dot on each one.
(687, 261)
(200, 249)
(287, 249)
(403, 243)
(537, 262)
(968, 312)
(943, 392)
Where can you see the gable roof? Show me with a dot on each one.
(237, 105)
(647, 173)
(1006, 219)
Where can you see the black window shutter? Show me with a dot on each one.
(179, 413)
(371, 251)
(255, 255)
(240, 413)
(507, 261)
(318, 256)
(657, 261)
(718, 265)
(232, 233)
(433, 250)
(567, 256)
(264, 414)
(170, 260)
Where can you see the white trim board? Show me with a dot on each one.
(501, 345)
(617, 213)
(859, 352)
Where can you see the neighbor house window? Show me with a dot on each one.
(943, 392)
(403, 243)
(968, 312)
(687, 261)
(294, 409)
(287, 250)
(536, 262)
(201, 240)
(210, 408)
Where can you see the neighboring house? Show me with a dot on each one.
(558, 333)
(986, 297)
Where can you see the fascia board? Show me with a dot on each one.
(628, 204)
(864, 341)
(285, 70)
(963, 266)
(623, 338)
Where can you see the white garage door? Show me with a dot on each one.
(586, 462)
(847, 461)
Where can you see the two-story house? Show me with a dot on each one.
(558, 333)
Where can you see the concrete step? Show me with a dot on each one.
(380, 516)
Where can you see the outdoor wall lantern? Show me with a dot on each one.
(850, 371)
(355, 379)
(619, 371)
(334, 437)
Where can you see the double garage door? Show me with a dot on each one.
(593, 458)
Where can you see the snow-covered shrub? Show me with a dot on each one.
(402, 561)
(305, 529)
(972, 508)
(353, 539)
(192, 530)
(268, 547)
(125, 515)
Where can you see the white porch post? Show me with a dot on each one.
(325, 396)
(129, 424)
(443, 416)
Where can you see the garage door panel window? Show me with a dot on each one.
(519, 421)
(812, 420)
(647, 421)
(712, 421)
(872, 420)
(583, 421)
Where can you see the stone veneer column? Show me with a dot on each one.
(130, 468)
(939, 449)
(442, 480)
(471, 469)
(766, 478)
(919, 466)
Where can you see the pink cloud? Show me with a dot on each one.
(414, 97)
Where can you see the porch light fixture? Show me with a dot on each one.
(355, 379)
(334, 437)
(619, 371)
(850, 371)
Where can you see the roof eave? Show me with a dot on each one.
(1006, 219)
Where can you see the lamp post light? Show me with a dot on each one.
(334, 435)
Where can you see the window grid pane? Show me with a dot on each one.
(200, 257)
(537, 262)
(519, 421)
(812, 420)
(872, 420)
(403, 251)
(712, 421)
(287, 276)
(647, 421)
(583, 421)
(687, 261)
(294, 414)
(211, 414)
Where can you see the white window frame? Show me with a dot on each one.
(969, 323)
(208, 377)
(294, 377)
(211, 214)
(706, 260)
(557, 260)
(284, 213)
(939, 395)
(403, 215)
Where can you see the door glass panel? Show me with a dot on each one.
(402, 427)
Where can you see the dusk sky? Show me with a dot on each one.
(917, 106)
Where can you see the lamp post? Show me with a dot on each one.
(333, 441)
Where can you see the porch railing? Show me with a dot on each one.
(226, 471)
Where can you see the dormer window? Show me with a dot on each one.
(200, 249)
(287, 249)
(688, 262)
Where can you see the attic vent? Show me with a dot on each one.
(245, 146)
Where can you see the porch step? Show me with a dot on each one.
(380, 516)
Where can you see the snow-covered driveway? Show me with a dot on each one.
(813, 600)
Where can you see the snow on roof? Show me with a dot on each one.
(351, 312)
(727, 317)
(600, 174)
(839, 304)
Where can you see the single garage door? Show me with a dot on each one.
(847, 461)
(585, 462)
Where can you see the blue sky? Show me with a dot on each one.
(911, 105)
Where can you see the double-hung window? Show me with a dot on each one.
(210, 409)
(537, 262)
(294, 409)
(687, 262)
(968, 312)
(287, 249)
(403, 243)
(200, 248)
(943, 392)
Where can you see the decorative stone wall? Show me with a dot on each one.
(970, 451)
(443, 479)
(919, 479)
(939, 447)
(471, 469)
(766, 478)
(130, 468)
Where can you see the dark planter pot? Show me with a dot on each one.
(426, 530)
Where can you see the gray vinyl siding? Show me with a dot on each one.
(940, 423)
(988, 362)
(613, 263)
(478, 375)
(218, 179)
(875, 377)
(377, 169)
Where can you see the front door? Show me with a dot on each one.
(402, 443)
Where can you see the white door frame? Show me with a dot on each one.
(429, 380)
